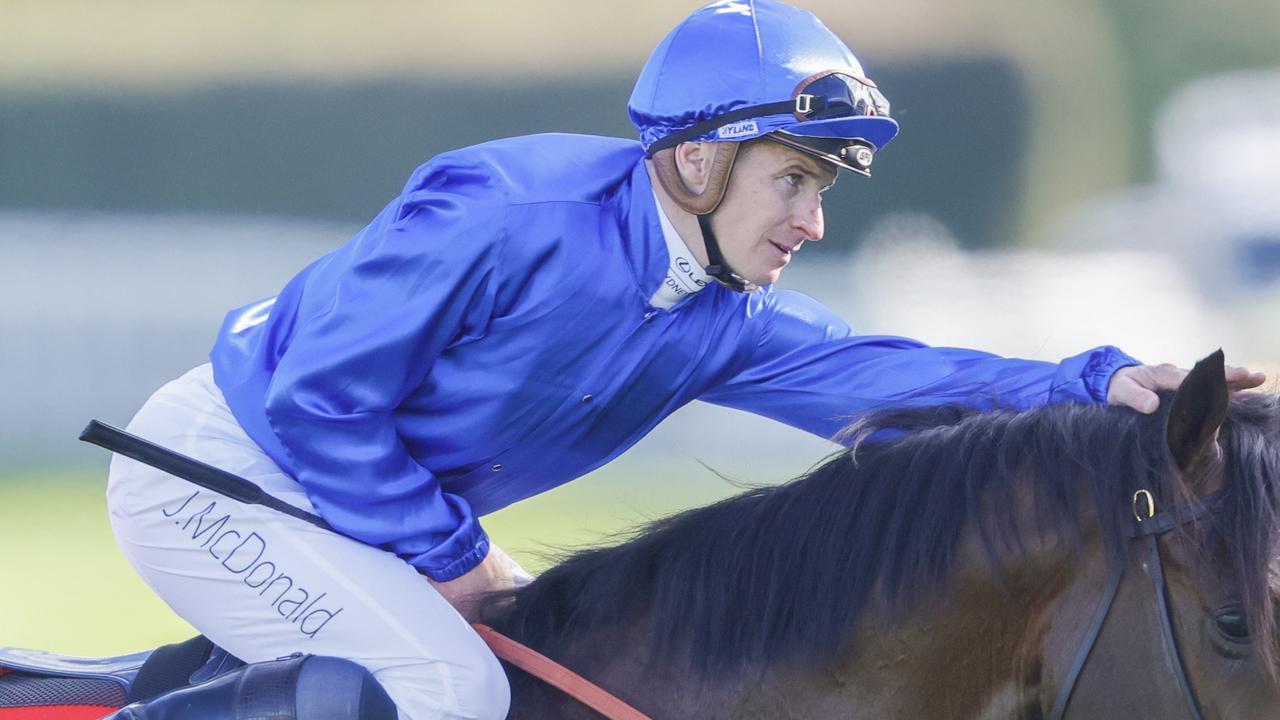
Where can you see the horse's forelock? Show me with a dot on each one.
(1250, 519)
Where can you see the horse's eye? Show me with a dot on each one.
(1231, 624)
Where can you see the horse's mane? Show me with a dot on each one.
(781, 574)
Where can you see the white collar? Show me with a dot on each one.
(684, 275)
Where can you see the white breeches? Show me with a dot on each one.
(265, 585)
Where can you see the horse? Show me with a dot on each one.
(1068, 561)
(950, 563)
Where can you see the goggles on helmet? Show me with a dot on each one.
(833, 94)
(828, 95)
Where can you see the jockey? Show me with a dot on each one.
(522, 313)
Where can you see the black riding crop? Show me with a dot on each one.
(191, 470)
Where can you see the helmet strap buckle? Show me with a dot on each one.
(717, 268)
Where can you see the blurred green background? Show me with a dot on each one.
(1012, 114)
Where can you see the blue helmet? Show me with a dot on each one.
(736, 70)
(740, 69)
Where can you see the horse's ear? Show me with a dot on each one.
(1198, 410)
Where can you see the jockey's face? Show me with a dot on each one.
(773, 204)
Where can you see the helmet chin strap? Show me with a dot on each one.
(702, 204)
(717, 267)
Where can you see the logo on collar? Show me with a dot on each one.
(686, 267)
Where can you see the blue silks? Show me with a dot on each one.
(488, 337)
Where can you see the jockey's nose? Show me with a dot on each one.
(809, 221)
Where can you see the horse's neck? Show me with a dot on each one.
(973, 651)
(972, 654)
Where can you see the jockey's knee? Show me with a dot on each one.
(489, 696)
(467, 684)
(474, 687)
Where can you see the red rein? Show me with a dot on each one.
(558, 676)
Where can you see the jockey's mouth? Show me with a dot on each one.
(785, 249)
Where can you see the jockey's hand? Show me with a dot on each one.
(1136, 386)
(496, 572)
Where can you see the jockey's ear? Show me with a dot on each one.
(1197, 412)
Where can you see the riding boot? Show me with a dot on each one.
(301, 687)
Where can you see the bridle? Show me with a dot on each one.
(1147, 528)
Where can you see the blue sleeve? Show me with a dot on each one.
(381, 309)
(806, 368)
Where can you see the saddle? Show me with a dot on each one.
(35, 684)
